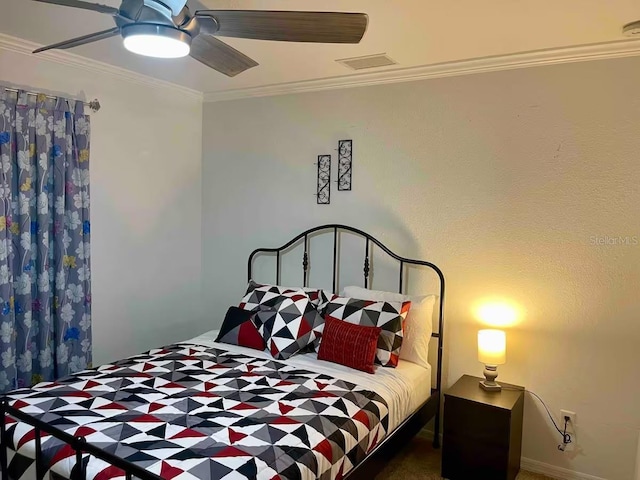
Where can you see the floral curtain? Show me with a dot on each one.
(45, 276)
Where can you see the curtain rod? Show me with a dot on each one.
(93, 105)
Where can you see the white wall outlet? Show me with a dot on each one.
(572, 420)
(570, 429)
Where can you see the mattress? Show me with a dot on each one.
(404, 388)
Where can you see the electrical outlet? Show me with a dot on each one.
(572, 419)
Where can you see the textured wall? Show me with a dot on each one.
(145, 205)
(503, 180)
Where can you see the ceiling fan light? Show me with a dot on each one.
(157, 41)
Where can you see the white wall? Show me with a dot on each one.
(145, 204)
(501, 179)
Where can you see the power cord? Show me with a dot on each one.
(566, 437)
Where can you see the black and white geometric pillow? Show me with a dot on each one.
(266, 295)
(240, 328)
(291, 326)
(389, 316)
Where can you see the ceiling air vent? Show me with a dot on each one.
(370, 61)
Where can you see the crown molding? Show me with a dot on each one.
(537, 58)
(599, 51)
(63, 57)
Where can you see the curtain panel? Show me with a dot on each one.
(45, 275)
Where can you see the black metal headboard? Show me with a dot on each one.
(367, 270)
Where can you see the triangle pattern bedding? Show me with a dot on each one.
(193, 412)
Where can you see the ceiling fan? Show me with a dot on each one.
(168, 29)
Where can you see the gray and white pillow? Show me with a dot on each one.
(292, 325)
(264, 294)
(389, 316)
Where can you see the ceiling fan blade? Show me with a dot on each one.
(76, 42)
(321, 27)
(220, 56)
(84, 5)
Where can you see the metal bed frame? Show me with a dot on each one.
(365, 470)
(430, 409)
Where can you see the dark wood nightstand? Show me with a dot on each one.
(482, 431)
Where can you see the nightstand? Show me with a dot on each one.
(482, 431)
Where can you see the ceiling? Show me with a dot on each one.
(412, 32)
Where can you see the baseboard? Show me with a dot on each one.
(536, 466)
(552, 471)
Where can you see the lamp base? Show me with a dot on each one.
(490, 375)
(490, 386)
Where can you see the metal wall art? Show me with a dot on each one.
(324, 180)
(345, 148)
(345, 156)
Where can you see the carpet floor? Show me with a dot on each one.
(419, 461)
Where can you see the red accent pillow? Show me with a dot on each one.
(349, 344)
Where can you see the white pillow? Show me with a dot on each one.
(418, 326)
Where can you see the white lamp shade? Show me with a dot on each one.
(492, 347)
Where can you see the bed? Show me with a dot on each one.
(209, 410)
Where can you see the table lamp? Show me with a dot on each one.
(492, 346)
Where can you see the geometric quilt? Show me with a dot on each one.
(189, 412)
